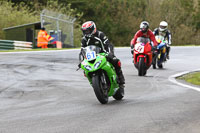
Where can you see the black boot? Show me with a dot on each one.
(167, 56)
(120, 77)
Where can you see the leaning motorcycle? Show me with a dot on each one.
(160, 53)
(101, 74)
(142, 55)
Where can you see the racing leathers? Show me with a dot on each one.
(167, 36)
(99, 39)
(149, 34)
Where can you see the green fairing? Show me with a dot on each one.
(107, 67)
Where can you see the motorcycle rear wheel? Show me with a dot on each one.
(100, 92)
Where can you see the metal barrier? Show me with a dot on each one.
(6, 45)
(60, 26)
(12, 45)
(22, 45)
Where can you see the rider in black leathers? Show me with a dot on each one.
(163, 30)
(91, 36)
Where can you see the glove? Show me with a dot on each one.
(168, 45)
(79, 65)
(154, 48)
(110, 55)
(132, 49)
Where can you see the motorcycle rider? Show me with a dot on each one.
(163, 31)
(92, 36)
(144, 32)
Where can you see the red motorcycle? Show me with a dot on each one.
(142, 55)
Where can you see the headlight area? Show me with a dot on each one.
(96, 65)
(87, 67)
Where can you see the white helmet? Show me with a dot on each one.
(144, 26)
(163, 26)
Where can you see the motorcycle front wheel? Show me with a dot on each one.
(99, 88)
(141, 67)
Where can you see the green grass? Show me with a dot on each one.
(193, 78)
(39, 49)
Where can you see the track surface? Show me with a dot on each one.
(41, 92)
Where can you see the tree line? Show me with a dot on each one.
(118, 19)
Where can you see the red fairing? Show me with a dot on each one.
(138, 57)
(147, 48)
(147, 51)
(149, 35)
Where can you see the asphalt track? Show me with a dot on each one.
(41, 92)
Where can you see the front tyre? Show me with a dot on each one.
(100, 92)
(141, 67)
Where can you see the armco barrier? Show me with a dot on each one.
(6, 45)
(22, 45)
(11, 45)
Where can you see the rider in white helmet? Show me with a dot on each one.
(163, 31)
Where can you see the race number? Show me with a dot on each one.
(91, 55)
(139, 48)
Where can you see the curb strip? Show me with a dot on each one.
(173, 80)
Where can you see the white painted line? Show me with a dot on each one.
(48, 51)
(173, 80)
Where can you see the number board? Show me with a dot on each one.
(91, 55)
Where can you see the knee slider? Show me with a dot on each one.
(119, 63)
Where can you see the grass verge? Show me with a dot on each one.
(193, 78)
(20, 50)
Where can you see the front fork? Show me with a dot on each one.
(103, 80)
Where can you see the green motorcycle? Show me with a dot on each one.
(101, 74)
